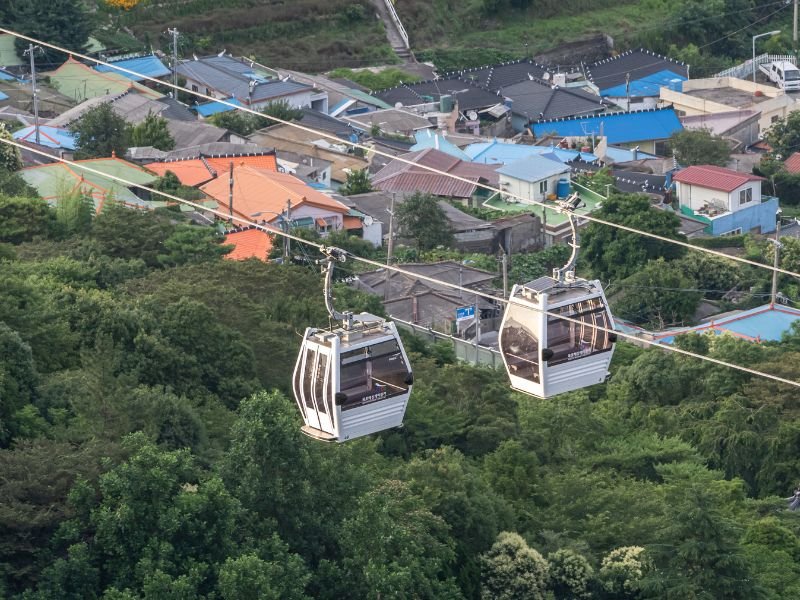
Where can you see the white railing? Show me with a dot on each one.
(397, 22)
(746, 68)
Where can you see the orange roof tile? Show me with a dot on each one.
(250, 243)
(195, 171)
(352, 223)
(792, 163)
(261, 194)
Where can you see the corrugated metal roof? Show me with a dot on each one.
(714, 178)
(536, 100)
(80, 82)
(206, 109)
(534, 168)
(611, 72)
(151, 66)
(52, 137)
(619, 128)
(469, 96)
(499, 153)
(649, 85)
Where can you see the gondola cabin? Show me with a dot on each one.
(546, 355)
(352, 382)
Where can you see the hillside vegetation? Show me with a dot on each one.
(306, 35)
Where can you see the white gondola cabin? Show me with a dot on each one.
(354, 382)
(546, 355)
(557, 332)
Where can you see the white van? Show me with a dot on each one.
(783, 74)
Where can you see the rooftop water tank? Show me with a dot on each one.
(562, 189)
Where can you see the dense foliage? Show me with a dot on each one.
(149, 448)
(66, 23)
(699, 147)
(100, 132)
(421, 218)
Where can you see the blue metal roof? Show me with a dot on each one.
(150, 66)
(534, 168)
(206, 109)
(757, 324)
(619, 155)
(6, 76)
(52, 137)
(649, 85)
(619, 128)
(3, 96)
(429, 139)
(502, 153)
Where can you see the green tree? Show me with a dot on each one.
(357, 183)
(239, 122)
(152, 132)
(17, 381)
(10, 157)
(698, 554)
(700, 147)
(23, 219)
(532, 265)
(613, 253)
(282, 110)
(249, 577)
(622, 570)
(100, 132)
(658, 295)
(74, 211)
(124, 233)
(513, 570)
(394, 546)
(65, 23)
(420, 217)
(571, 575)
(192, 244)
(784, 135)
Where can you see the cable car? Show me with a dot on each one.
(557, 332)
(354, 380)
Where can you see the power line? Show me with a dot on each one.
(379, 265)
(330, 136)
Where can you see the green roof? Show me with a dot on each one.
(8, 54)
(79, 82)
(52, 181)
(554, 218)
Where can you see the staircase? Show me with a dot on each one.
(395, 32)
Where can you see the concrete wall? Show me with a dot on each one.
(695, 197)
(759, 218)
(528, 189)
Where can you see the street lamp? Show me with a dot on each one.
(754, 48)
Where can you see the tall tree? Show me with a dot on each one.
(784, 135)
(100, 132)
(22, 219)
(611, 252)
(152, 132)
(571, 575)
(700, 147)
(512, 569)
(420, 217)
(65, 23)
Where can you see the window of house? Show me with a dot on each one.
(774, 119)
(543, 187)
(737, 231)
(195, 88)
(745, 196)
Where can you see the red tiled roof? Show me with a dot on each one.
(250, 243)
(792, 163)
(714, 178)
(398, 176)
(352, 223)
(196, 171)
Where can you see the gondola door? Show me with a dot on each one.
(316, 390)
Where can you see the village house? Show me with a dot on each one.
(224, 77)
(728, 202)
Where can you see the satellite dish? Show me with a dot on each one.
(368, 221)
(472, 115)
(546, 76)
(398, 105)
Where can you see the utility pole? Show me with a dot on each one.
(389, 248)
(287, 248)
(230, 193)
(794, 29)
(174, 33)
(504, 262)
(776, 262)
(628, 92)
(31, 49)
(477, 330)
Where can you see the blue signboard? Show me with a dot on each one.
(465, 312)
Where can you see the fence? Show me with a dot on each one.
(465, 350)
(397, 22)
(746, 68)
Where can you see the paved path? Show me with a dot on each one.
(410, 63)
